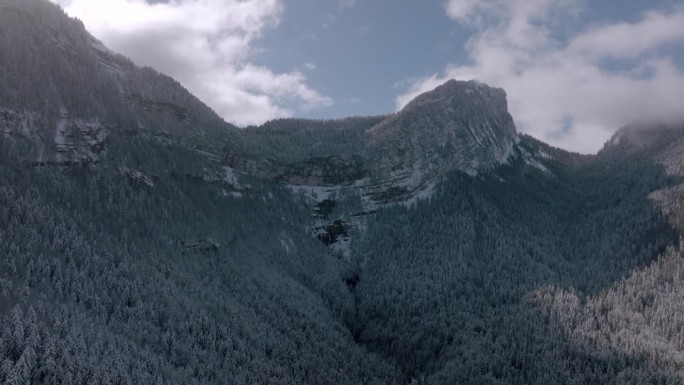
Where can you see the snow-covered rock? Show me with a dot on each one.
(459, 125)
(462, 126)
(61, 142)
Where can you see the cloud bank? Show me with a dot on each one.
(571, 89)
(206, 45)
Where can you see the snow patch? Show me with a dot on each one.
(231, 177)
(544, 155)
(234, 194)
(226, 179)
(60, 138)
(315, 193)
(424, 193)
(416, 177)
(505, 156)
(531, 161)
(287, 243)
(472, 170)
(343, 248)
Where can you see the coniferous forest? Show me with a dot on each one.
(145, 241)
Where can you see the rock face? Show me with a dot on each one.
(465, 125)
(79, 141)
(68, 142)
(315, 171)
(458, 126)
(65, 92)
(462, 126)
(16, 124)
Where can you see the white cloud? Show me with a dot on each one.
(346, 3)
(625, 40)
(572, 92)
(206, 45)
(471, 12)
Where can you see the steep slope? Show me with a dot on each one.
(65, 105)
(458, 126)
(130, 253)
(463, 124)
(448, 287)
(634, 321)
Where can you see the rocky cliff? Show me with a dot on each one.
(460, 125)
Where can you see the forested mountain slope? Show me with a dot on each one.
(54, 70)
(144, 240)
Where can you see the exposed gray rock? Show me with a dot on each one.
(458, 126)
(17, 124)
(66, 141)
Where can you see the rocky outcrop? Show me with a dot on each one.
(156, 106)
(79, 141)
(65, 141)
(463, 125)
(17, 124)
(458, 126)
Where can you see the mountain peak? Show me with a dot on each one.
(460, 125)
(459, 91)
(651, 137)
(463, 123)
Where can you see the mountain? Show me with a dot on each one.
(461, 126)
(145, 240)
(395, 157)
(464, 125)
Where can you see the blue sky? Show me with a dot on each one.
(574, 70)
(362, 54)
